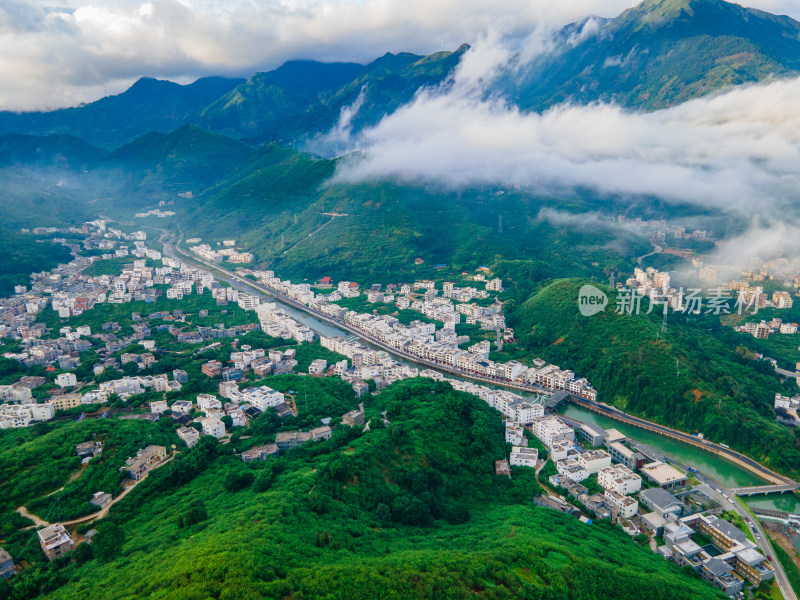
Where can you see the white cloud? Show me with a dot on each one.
(60, 52)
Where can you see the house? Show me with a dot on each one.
(159, 407)
(524, 457)
(661, 502)
(145, 459)
(189, 435)
(664, 475)
(620, 479)
(54, 540)
(100, 499)
(6, 564)
(260, 453)
(353, 418)
(66, 380)
(183, 407)
(291, 439)
(501, 467)
(323, 432)
(213, 427)
(318, 367)
(89, 449)
(206, 402)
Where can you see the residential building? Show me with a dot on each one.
(524, 457)
(594, 460)
(189, 435)
(54, 540)
(66, 380)
(260, 453)
(619, 478)
(591, 435)
(65, 401)
(630, 458)
(147, 458)
(291, 439)
(213, 427)
(626, 506)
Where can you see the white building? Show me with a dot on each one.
(524, 457)
(66, 380)
(213, 427)
(619, 478)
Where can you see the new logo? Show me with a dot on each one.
(591, 300)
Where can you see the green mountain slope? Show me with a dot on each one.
(302, 98)
(187, 158)
(694, 377)
(280, 206)
(65, 151)
(663, 52)
(408, 510)
(148, 105)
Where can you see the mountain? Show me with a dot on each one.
(65, 151)
(661, 53)
(148, 105)
(302, 98)
(187, 159)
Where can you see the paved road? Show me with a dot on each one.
(716, 492)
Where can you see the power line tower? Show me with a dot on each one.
(500, 224)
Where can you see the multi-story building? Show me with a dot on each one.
(54, 540)
(619, 478)
(524, 457)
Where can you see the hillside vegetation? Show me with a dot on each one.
(685, 378)
(407, 510)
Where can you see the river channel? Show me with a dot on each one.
(725, 472)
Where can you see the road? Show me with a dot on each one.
(38, 522)
(657, 250)
(731, 455)
(706, 482)
(764, 545)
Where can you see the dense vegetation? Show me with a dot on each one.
(687, 378)
(410, 509)
(22, 254)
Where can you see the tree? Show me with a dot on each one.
(83, 553)
(107, 542)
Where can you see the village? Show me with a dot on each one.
(590, 472)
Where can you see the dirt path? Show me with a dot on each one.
(94, 516)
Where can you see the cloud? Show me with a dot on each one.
(60, 52)
(733, 152)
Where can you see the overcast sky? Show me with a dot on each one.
(56, 53)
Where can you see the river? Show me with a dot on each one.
(725, 472)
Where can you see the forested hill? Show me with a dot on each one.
(663, 52)
(407, 510)
(694, 377)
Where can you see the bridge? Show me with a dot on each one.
(765, 489)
